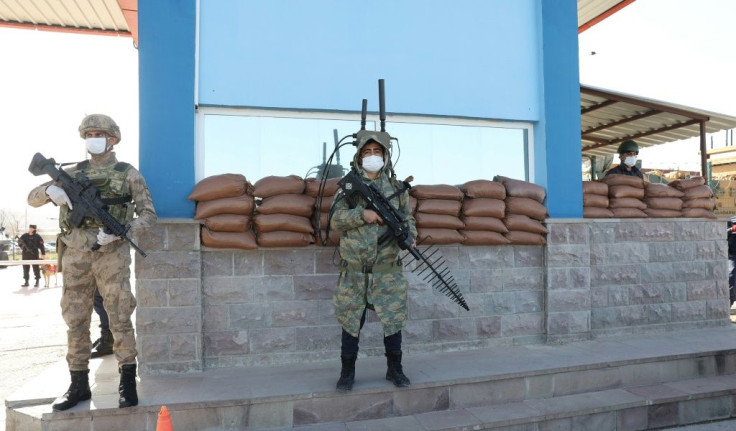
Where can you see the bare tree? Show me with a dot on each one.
(10, 221)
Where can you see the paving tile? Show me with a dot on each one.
(447, 419)
(404, 423)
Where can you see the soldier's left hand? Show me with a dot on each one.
(106, 238)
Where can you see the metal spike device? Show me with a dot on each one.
(438, 275)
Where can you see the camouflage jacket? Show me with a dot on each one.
(385, 289)
(83, 238)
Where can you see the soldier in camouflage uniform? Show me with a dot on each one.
(370, 273)
(108, 268)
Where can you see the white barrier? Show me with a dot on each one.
(28, 262)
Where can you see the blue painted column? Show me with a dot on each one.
(166, 62)
(558, 154)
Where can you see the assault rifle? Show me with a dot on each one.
(438, 274)
(85, 199)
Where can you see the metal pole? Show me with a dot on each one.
(703, 151)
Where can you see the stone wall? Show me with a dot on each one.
(201, 308)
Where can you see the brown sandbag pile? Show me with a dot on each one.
(625, 196)
(525, 211)
(595, 200)
(225, 207)
(662, 201)
(437, 214)
(482, 211)
(283, 212)
(697, 199)
(322, 205)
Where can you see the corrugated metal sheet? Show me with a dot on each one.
(608, 118)
(591, 9)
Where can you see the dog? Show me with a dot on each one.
(49, 270)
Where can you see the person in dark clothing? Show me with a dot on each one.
(103, 345)
(627, 152)
(31, 243)
(731, 237)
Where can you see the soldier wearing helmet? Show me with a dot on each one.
(124, 190)
(370, 272)
(627, 152)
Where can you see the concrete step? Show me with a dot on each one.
(501, 387)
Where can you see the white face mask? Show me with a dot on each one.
(630, 161)
(372, 163)
(96, 145)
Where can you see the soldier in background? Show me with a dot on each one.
(627, 152)
(370, 272)
(123, 188)
(31, 243)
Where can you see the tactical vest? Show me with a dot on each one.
(110, 181)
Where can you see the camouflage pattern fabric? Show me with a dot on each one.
(108, 269)
(385, 290)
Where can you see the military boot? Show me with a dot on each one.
(347, 375)
(103, 345)
(395, 373)
(126, 389)
(25, 284)
(78, 391)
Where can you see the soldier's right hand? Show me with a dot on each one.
(58, 196)
(371, 216)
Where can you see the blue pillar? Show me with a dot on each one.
(166, 61)
(558, 154)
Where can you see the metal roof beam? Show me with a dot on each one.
(646, 104)
(642, 134)
(622, 121)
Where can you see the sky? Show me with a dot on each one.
(680, 51)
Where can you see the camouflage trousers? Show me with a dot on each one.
(110, 273)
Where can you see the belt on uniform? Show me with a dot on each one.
(369, 269)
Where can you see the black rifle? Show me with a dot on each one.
(352, 186)
(85, 199)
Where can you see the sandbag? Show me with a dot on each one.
(522, 189)
(438, 191)
(413, 204)
(484, 189)
(441, 221)
(697, 213)
(439, 206)
(332, 240)
(628, 213)
(526, 206)
(595, 188)
(626, 180)
(525, 238)
(325, 203)
(706, 204)
(220, 186)
(698, 192)
(311, 187)
(275, 185)
(478, 237)
(228, 223)
(596, 212)
(662, 213)
(484, 223)
(284, 239)
(323, 220)
(592, 200)
(523, 223)
(624, 191)
(294, 204)
(431, 236)
(673, 204)
(242, 240)
(626, 203)
(243, 204)
(484, 207)
(286, 222)
(683, 185)
(653, 190)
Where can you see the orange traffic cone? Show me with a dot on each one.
(164, 420)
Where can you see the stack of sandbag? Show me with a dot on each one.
(482, 211)
(224, 208)
(438, 214)
(662, 200)
(322, 204)
(625, 196)
(525, 211)
(283, 212)
(697, 199)
(595, 200)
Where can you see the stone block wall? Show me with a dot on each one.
(208, 308)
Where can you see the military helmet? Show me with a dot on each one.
(628, 146)
(99, 122)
